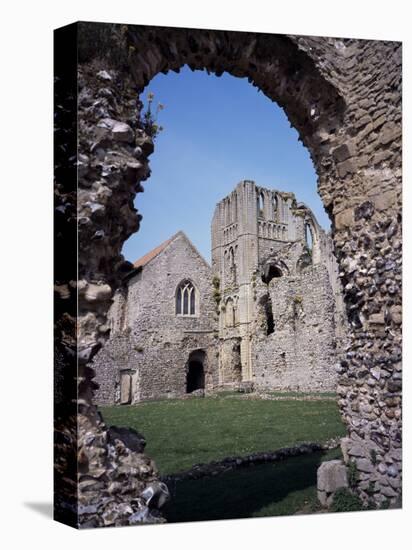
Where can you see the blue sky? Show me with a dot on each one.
(217, 132)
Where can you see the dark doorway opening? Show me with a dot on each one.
(195, 378)
(266, 304)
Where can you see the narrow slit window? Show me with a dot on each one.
(192, 302)
(308, 237)
(261, 205)
(179, 301)
(185, 303)
(275, 208)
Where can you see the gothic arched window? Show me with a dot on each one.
(185, 299)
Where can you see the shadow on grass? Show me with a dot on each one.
(282, 488)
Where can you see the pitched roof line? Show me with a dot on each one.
(144, 260)
(149, 256)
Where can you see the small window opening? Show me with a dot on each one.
(270, 273)
(275, 208)
(308, 238)
(266, 304)
(260, 205)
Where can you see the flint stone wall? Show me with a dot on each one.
(344, 98)
(229, 361)
(149, 340)
(301, 352)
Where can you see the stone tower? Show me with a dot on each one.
(258, 235)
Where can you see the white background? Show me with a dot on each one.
(26, 270)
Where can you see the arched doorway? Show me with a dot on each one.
(195, 371)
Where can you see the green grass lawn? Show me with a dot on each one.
(327, 394)
(181, 433)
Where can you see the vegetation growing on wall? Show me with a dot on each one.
(346, 501)
(353, 474)
(148, 118)
(216, 292)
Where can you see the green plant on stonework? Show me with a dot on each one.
(216, 295)
(216, 291)
(353, 474)
(371, 505)
(149, 118)
(385, 504)
(216, 281)
(299, 213)
(345, 501)
(297, 305)
(106, 43)
(370, 488)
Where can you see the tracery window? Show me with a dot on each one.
(186, 299)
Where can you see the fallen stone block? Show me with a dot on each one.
(332, 476)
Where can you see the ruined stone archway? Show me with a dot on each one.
(272, 271)
(343, 96)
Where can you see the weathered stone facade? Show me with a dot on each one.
(263, 315)
(277, 288)
(152, 348)
(344, 98)
(301, 353)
